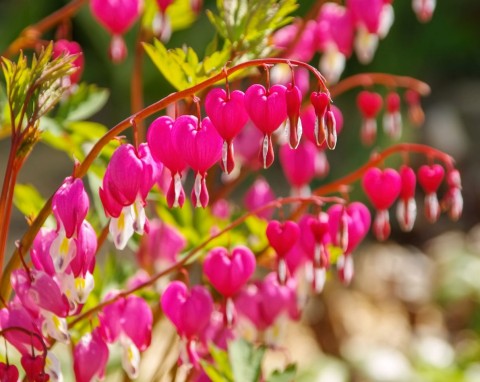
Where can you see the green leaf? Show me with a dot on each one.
(28, 200)
(287, 375)
(248, 24)
(168, 64)
(246, 360)
(83, 103)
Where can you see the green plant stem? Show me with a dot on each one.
(194, 251)
(81, 169)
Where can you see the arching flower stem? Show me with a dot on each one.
(370, 79)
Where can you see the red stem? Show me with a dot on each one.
(369, 79)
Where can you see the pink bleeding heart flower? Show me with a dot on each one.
(392, 119)
(312, 127)
(293, 98)
(416, 114)
(366, 13)
(382, 188)
(373, 19)
(70, 48)
(320, 101)
(226, 111)
(424, 9)
(246, 145)
(282, 237)
(349, 224)
(40, 251)
(129, 177)
(161, 247)
(8, 373)
(160, 141)
(264, 302)
(129, 321)
(452, 202)
(34, 367)
(267, 109)
(131, 317)
(84, 260)
(70, 206)
(16, 315)
(259, 194)
(304, 47)
(430, 179)
(90, 357)
(299, 165)
(369, 104)
(201, 146)
(407, 207)
(335, 32)
(188, 310)
(229, 271)
(38, 290)
(117, 16)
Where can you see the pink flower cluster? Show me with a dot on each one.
(339, 29)
(383, 188)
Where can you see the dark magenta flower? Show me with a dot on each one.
(90, 357)
(65, 47)
(199, 143)
(227, 114)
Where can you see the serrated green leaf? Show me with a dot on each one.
(85, 102)
(28, 200)
(168, 64)
(287, 375)
(213, 373)
(246, 360)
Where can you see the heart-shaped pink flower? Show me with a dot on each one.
(189, 310)
(8, 373)
(201, 147)
(228, 272)
(299, 164)
(358, 221)
(282, 236)
(267, 109)
(228, 116)
(430, 177)
(197, 142)
(382, 187)
(369, 103)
